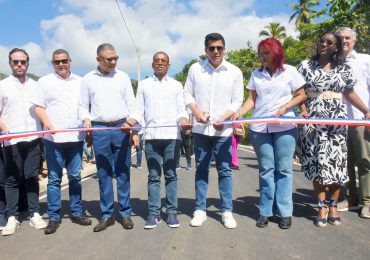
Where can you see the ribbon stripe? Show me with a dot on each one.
(252, 120)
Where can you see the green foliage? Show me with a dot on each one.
(297, 51)
(275, 30)
(348, 13)
(246, 60)
(33, 76)
(2, 76)
(184, 73)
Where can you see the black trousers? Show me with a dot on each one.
(187, 141)
(22, 160)
(2, 184)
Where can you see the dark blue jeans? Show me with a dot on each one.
(156, 152)
(58, 156)
(204, 146)
(113, 157)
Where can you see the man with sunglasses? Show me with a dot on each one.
(107, 100)
(22, 156)
(56, 101)
(213, 92)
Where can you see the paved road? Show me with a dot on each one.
(211, 241)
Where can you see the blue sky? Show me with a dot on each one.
(176, 27)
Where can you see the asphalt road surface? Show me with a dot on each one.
(211, 241)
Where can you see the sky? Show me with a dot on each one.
(177, 27)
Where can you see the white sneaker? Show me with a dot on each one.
(199, 217)
(37, 222)
(228, 219)
(10, 227)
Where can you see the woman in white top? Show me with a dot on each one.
(274, 89)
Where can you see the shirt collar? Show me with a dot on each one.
(71, 76)
(110, 74)
(15, 79)
(223, 65)
(352, 54)
(165, 78)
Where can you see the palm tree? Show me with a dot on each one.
(275, 30)
(303, 11)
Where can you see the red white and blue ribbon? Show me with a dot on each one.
(252, 120)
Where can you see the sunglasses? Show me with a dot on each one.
(328, 42)
(213, 48)
(58, 62)
(17, 62)
(110, 59)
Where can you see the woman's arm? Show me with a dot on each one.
(299, 96)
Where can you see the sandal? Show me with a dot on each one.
(322, 222)
(333, 220)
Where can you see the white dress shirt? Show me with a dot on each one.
(60, 99)
(272, 93)
(161, 103)
(215, 91)
(16, 110)
(360, 64)
(110, 96)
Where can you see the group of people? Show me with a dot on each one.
(213, 93)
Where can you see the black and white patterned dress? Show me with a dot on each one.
(324, 148)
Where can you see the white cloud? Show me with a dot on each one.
(177, 28)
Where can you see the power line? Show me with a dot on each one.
(123, 18)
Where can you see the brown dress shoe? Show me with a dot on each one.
(51, 227)
(127, 223)
(81, 220)
(103, 224)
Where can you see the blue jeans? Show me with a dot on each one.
(113, 157)
(139, 151)
(274, 154)
(156, 152)
(220, 147)
(58, 156)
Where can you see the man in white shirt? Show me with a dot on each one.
(160, 101)
(358, 138)
(107, 100)
(22, 155)
(213, 92)
(56, 101)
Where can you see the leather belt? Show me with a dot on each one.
(325, 95)
(109, 124)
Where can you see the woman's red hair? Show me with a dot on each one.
(276, 50)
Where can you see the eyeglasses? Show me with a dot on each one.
(17, 62)
(163, 61)
(58, 62)
(328, 42)
(263, 54)
(213, 48)
(110, 59)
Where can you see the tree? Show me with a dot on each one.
(303, 11)
(184, 73)
(348, 13)
(275, 30)
(304, 14)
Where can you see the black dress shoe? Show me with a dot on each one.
(285, 222)
(51, 227)
(81, 220)
(262, 222)
(103, 224)
(127, 223)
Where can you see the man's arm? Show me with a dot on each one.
(43, 117)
